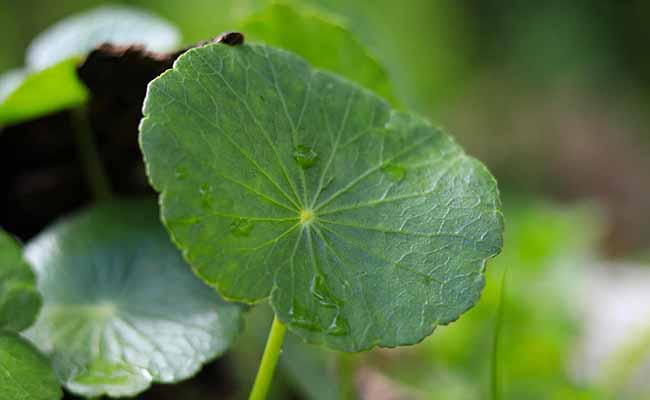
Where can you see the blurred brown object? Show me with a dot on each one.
(41, 172)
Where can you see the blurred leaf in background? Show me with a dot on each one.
(322, 41)
(49, 83)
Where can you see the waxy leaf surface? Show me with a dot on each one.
(365, 226)
(25, 374)
(321, 40)
(121, 307)
(19, 299)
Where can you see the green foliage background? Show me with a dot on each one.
(552, 95)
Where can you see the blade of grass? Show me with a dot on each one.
(269, 361)
(495, 378)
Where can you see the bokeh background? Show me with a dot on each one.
(554, 97)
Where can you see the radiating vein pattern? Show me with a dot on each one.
(121, 308)
(363, 226)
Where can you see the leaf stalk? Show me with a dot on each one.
(270, 359)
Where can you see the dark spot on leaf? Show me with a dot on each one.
(231, 38)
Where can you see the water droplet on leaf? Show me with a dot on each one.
(394, 172)
(307, 324)
(339, 326)
(180, 173)
(205, 191)
(323, 294)
(241, 227)
(305, 156)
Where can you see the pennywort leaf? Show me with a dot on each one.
(19, 299)
(25, 374)
(121, 308)
(323, 41)
(363, 226)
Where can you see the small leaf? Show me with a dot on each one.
(49, 82)
(121, 308)
(24, 373)
(43, 92)
(352, 252)
(19, 299)
(320, 39)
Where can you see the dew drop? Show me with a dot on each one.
(205, 191)
(307, 324)
(241, 227)
(180, 173)
(339, 327)
(394, 172)
(305, 156)
(322, 293)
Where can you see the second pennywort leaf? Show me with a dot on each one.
(121, 309)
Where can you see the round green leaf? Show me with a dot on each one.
(19, 299)
(364, 225)
(24, 373)
(78, 34)
(322, 41)
(121, 308)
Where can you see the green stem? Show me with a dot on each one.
(95, 174)
(269, 361)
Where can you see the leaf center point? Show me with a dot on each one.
(104, 309)
(306, 216)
